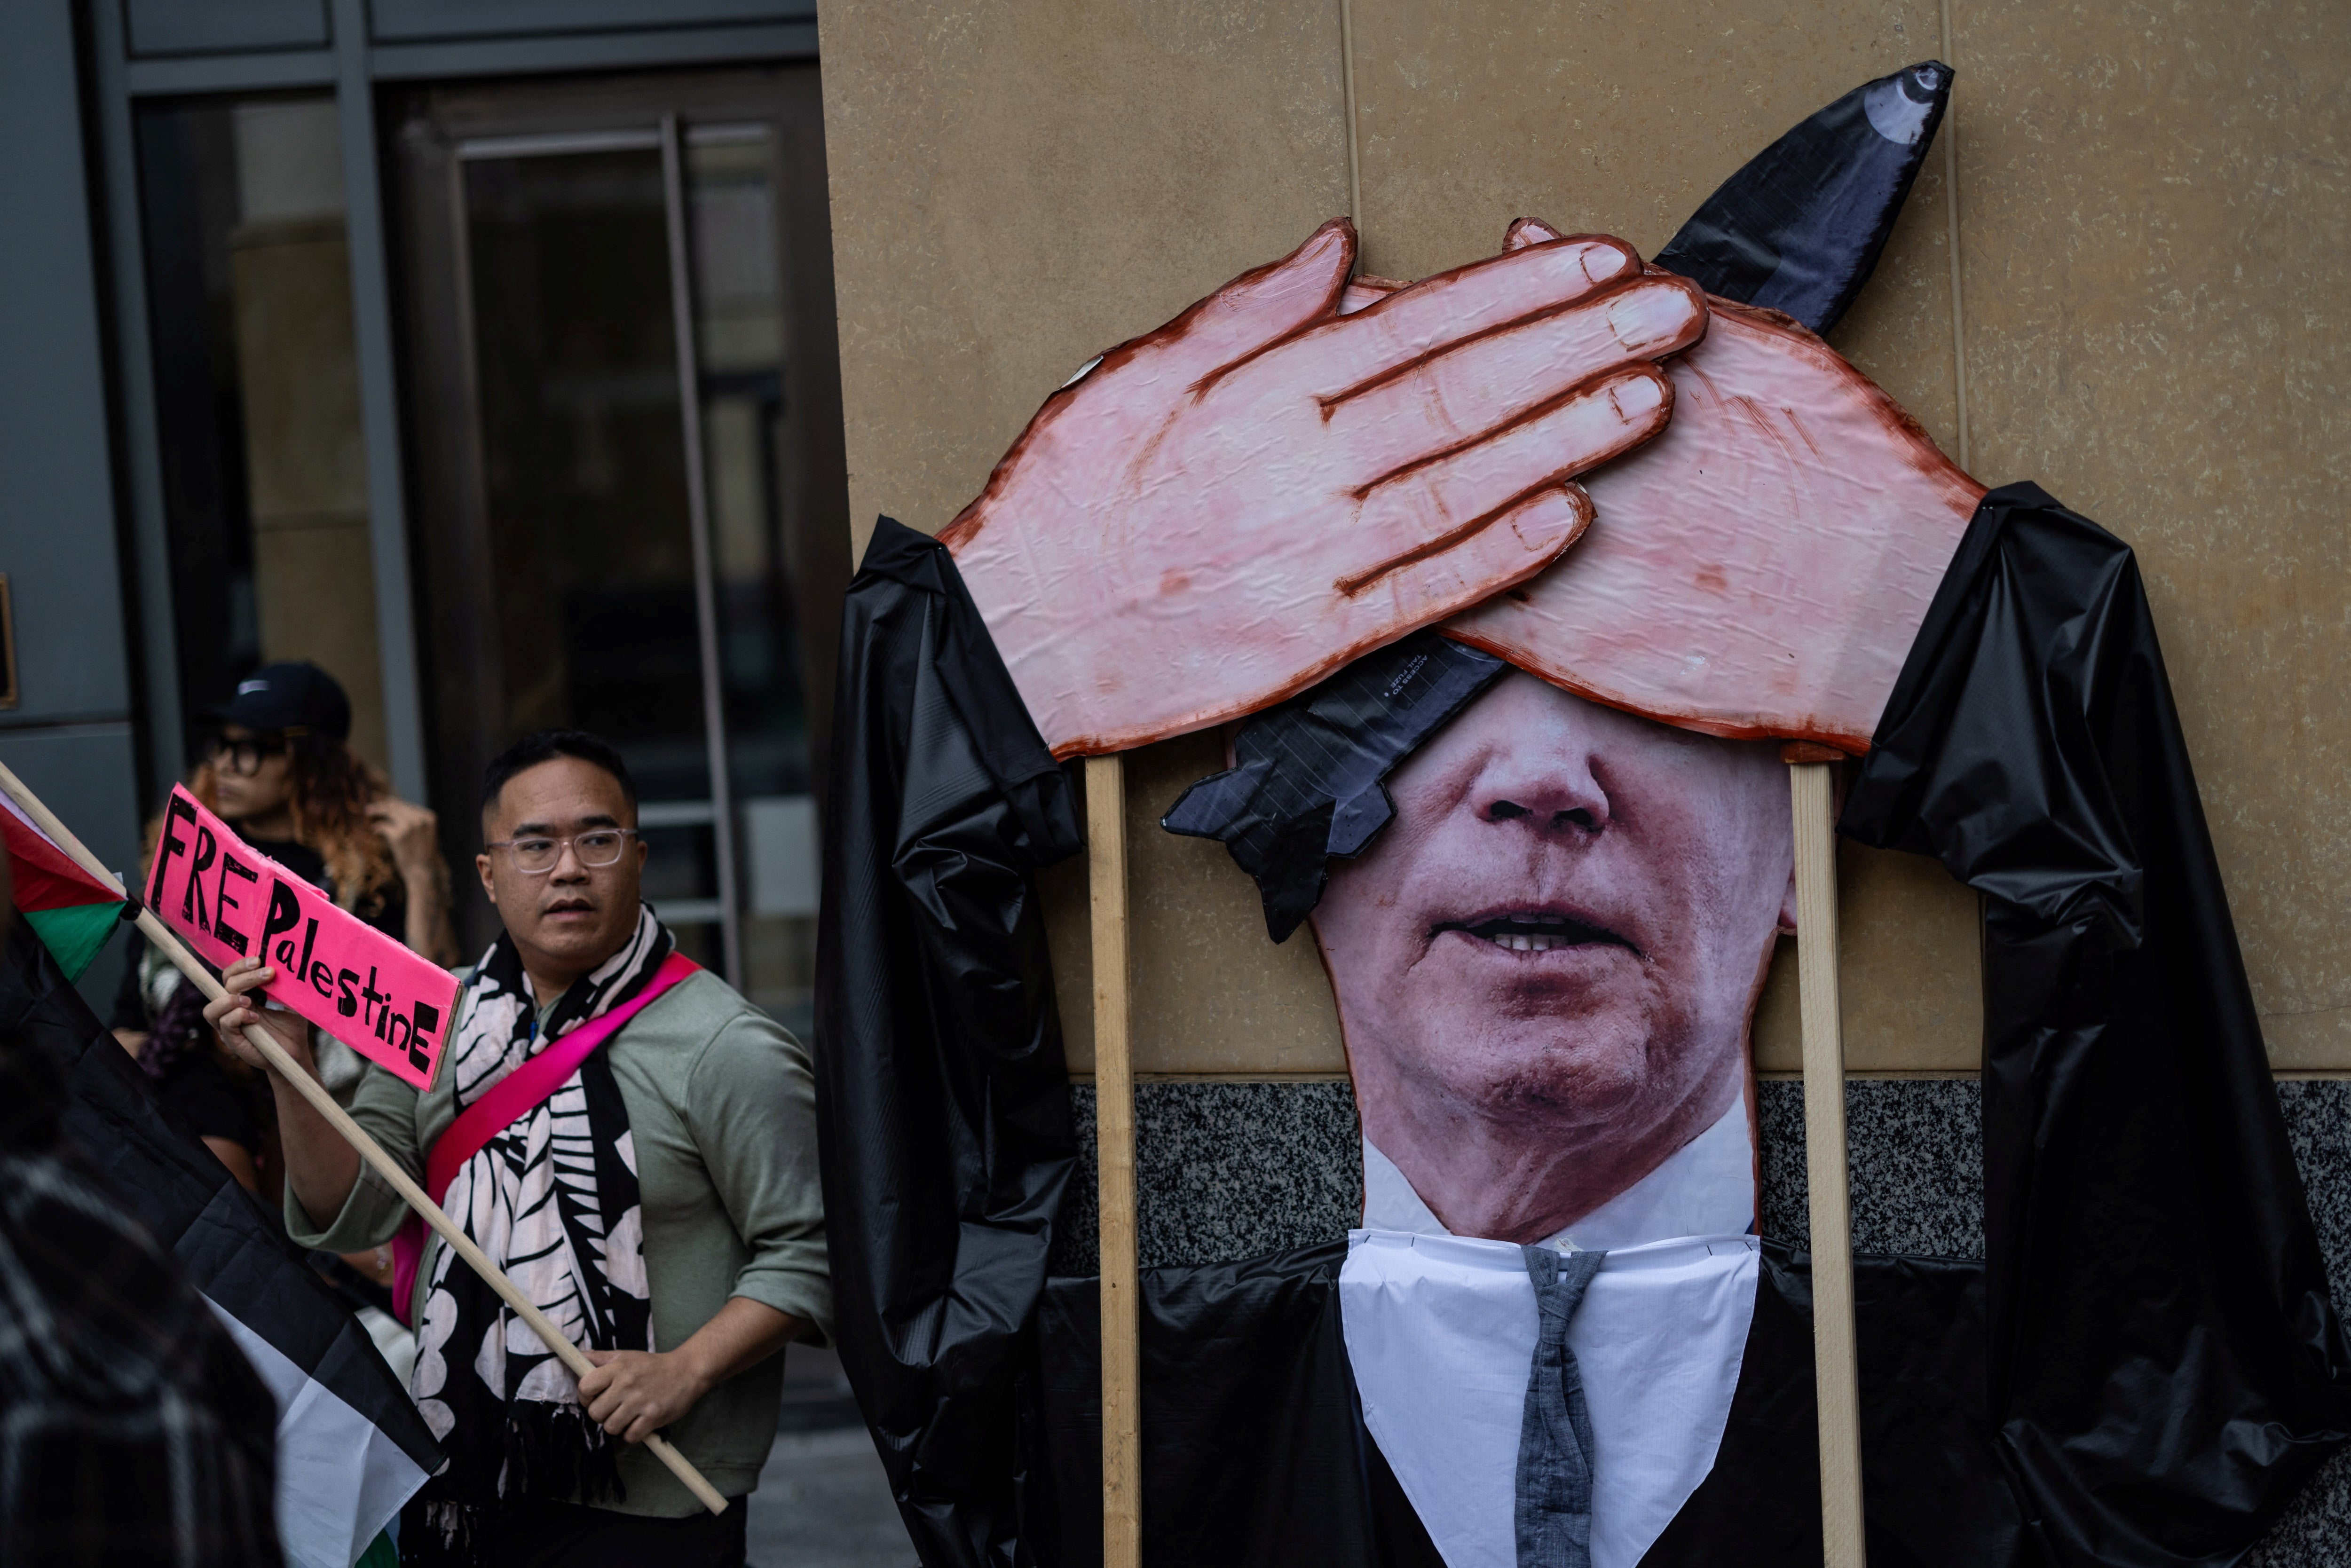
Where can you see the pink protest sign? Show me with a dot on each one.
(333, 968)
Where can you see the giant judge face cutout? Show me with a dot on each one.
(1545, 967)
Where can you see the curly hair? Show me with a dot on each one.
(331, 789)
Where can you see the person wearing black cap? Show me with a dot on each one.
(278, 768)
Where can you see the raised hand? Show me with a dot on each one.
(411, 833)
(1760, 569)
(231, 1015)
(1221, 512)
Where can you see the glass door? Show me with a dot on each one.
(623, 538)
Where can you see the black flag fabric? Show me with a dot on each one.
(1799, 227)
(2165, 1364)
(131, 1431)
(351, 1447)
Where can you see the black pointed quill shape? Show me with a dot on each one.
(1309, 779)
(1799, 227)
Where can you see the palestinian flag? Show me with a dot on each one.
(352, 1448)
(72, 912)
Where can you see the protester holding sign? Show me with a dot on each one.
(632, 1141)
(279, 771)
(280, 768)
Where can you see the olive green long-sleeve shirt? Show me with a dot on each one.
(722, 1112)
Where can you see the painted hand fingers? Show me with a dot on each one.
(1525, 232)
(1477, 390)
(1258, 306)
(1432, 505)
(1518, 542)
(1441, 312)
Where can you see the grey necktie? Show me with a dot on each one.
(1554, 1490)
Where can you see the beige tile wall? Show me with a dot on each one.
(2158, 244)
(2152, 236)
(1017, 186)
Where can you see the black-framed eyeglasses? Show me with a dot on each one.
(245, 756)
(535, 856)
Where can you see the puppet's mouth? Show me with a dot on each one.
(1534, 931)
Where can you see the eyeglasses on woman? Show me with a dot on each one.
(243, 755)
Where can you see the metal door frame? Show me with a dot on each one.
(350, 66)
(669, 137)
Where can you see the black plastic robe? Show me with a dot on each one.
(941, 1087)
(2164, 1364)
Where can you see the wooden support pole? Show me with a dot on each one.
(384, 1164)
(1122, 1370)
(1836, 1364)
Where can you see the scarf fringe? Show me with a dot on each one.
(554, 1453)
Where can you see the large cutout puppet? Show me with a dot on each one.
(1514, 579)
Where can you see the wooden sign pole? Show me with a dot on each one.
(1835, 1361)
(1122, 1372)
(384, 1164)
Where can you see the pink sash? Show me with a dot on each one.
(510, 1098)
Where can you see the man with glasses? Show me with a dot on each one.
(661, 1204)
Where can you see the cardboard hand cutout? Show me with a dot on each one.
(1224, 511)
(1762, 568)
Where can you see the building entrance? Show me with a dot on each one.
(629, 506)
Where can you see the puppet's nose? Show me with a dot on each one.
(1555, 793)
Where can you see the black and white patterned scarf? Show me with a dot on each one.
(553, 1200)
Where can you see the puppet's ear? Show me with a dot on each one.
(1799, 227)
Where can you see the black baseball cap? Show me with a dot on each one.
(298, 697)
